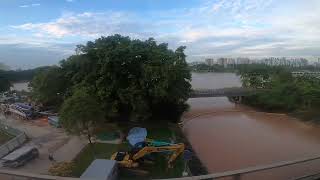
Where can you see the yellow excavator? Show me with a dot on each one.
(131, 159)
(141, 149)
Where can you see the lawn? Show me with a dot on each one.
(156, 170)
(101, 151)
(4, 137)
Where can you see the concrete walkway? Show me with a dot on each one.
(70, 150)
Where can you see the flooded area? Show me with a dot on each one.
(20, 86)
(227, 136)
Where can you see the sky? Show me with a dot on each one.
(43, 32)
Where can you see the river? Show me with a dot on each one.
(226, 136)
(20, 86)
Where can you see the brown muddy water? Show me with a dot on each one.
(227, 137)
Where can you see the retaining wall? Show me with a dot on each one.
(19, 139)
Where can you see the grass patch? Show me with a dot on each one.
(4, 137)
(156, 170)
(100, 151)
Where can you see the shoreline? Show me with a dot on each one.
(195, 166)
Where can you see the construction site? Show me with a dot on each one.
(39, 145)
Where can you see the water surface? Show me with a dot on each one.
(226, 136)
(19, 86)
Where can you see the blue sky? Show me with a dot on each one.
(41, 32)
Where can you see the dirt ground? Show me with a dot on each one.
(49, 140)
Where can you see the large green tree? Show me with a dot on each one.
(81, 113)
(49, 86)
(4, 84)
(132, 79)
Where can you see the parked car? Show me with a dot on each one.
(20, 156)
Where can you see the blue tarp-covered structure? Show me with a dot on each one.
(137, 135)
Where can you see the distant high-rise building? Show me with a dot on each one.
(231, 62)
(222, 61)
(241, 60)
(209, 61)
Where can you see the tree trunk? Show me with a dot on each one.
(91, 145)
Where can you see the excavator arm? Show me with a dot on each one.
(141, 149)
(176, 150)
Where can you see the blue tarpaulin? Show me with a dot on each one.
(137, 135)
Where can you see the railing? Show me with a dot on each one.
(237, 174)
(231, 92)
(17, 175)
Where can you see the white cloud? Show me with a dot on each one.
(86, 24)
(221, 27)
(24, 6)
(70, 0)
(29, 5)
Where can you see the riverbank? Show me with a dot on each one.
(311, 115)
(194, 165)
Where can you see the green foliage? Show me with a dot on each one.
(81, 113)
(21, 75)
(7, 77)
(4, 84)
(132, 79)
(102, 151)
(284, 92)
(157, 170)
(4, 67)
(49, 86)
(258, 75)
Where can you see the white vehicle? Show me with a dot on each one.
(20, 156)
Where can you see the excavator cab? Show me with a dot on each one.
(119, 156)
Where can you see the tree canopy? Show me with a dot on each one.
(284, 92)
(132, 79)
(81, 113)
(20, 75)
(49, 86)
(4, 84)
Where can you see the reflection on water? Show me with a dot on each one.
(226, 136)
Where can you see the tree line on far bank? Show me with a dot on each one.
(203, 67)
(284, 92)
(8, 77)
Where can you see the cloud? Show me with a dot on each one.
(70, 0)
(214, 28)
(23, 56)
(29, 5)
(87, 24)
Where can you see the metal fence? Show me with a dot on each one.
(18, 175)
(238, 174)
(19, 139)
